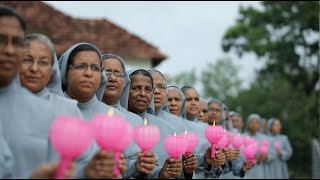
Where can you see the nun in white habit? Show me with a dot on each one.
(84, 79)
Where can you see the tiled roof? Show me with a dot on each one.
(64, 31)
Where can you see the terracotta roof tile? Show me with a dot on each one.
(64, 31)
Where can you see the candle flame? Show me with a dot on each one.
(185, 131)
(110, 112)
(175, 134)
(145, 121)
(214, 122)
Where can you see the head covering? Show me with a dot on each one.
(54, 84)
(165, 105)
(125, 92)
(250, 118)
(124, 97)
(63, 62)
(269, 125)
(183, 98)
(223, 107)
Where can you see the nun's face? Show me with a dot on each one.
(235, 121)
(84, 76)
(174, 102)
(36, 66)
(115, 81)
(253, 126)
(192, 103)
(11, 48)
(203, 114)
(276, 127)
(140, 93)
(160, 92)
(215, 113)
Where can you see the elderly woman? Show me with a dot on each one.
(278, 166)
(115, 87)
(24, 130)
(203, 112)
(161, 111)
(140, 102)
(83, 79)
(208, 167)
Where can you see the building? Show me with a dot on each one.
(65, 31)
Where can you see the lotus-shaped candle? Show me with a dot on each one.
(146, 136)
(214, 134)
(112, 133)
(192, 141)
(175, 145)
(237, 141)
(250, 152)
(70, 137)
(223, 142)
(277, 145)
(264, 147)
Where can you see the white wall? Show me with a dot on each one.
(132, 63)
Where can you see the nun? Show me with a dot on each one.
(264, 126)
(190, 162)
(203, 112)
(208, 167)
(141, 102)
(116, 78)
(83, 79)
(217, 112)
(278, 166)
(24, 131)
(253, 130)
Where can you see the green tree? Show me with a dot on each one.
(220, 80)
(184, 78)
(272, 96)
(284, 32)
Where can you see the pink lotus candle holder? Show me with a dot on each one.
(112, 133)
(175, 145)
(146, 136)
(70, 137)
(250, 152)
(237, 141)
(192, 141)
(214, 134)
(264, 147)
(277, 145)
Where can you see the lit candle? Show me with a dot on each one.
(175, 145)
(112, 133)
(146, 136)
(214, 134)
(192, 141)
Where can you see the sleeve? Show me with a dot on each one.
(6, 161)
(237, 166)
(286, 151)
(271, 151)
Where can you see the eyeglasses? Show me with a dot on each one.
(139, 89)
(43, 63)
(204, 110)
(17, 42)
(82, 67)
(116, 74)
(161, 87)
(215, 110)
